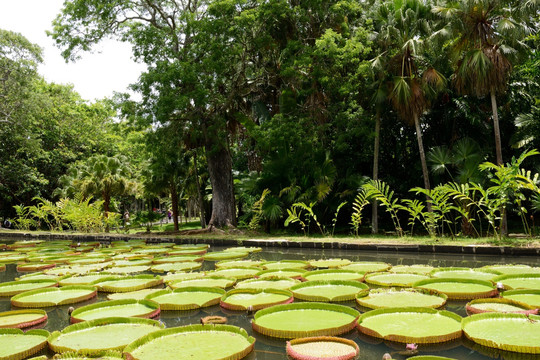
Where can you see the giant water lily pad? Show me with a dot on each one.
(285, 264)
(135, 262)
(497, 305)
(182, 252)
(329, 263)
(459, 289)
(249, 249)
(367, 266)
(255, 299)
(177, 259)
(208, 342)
(322, 347)
(290, 273)
(16, 345)
(136, 295)
(12, 258)
(268, 283)
(238, 263)
(394, 298)
(191, 247)
(96, 336)
(328, 290)
(127, 284)
(187, 298)
(54, 296)
(520, 281)
(332, 274)
(464, 273)
(506, 269)
(205, 281)
(124, 270)
(83, 279)
(411, 325)
(39, 276)
(113, 308)
(237, 273)
(174, 267)
(412, 269)
(510, 332)
(305, 319)
(11, 288)
(529, 297)
(170, 278)
(21, 319)
(27, 267)
(394, 279)
(223, 255)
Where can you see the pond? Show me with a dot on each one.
(267, 348)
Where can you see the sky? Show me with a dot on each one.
(96, 75)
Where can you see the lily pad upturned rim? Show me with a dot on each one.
(471, 309)
(232, 263)
(496, 345)
(333, 263)
(332, 271)
(296, 273)
(50, 283)
(191, 246)
(194, 328)
(236, 307)
(223, 255)
(298, 356)
(70, 355)
(25, 324)
(96, 323)
(301, 264)
(298, 295)
(507, 293)
(176, 258)
(270, 279)
(457, 268)
(27, 267)
(368, 278)
(16, 300)
(152, 305)
(461, 295)
(291, 334)
(384, 266)
(29, 351)
(502, 278)
(152, 281)
(411, 339)
(164, 306)
(430, 292)
(177, 284)
(161, 268)
(244, 272)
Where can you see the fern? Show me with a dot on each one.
(380, 191)
(257, 210)
(360, 201)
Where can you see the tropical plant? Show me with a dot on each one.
(147, 218)
(360, 201)
(295, 216)
(381, 191)
(23, 220)
(82, 214)
(257, 210)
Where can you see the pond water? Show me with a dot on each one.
(267, 348)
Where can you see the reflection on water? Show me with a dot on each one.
(267, 348)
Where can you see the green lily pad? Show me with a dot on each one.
(237, 273)
(332, 274)
(255, 299)
(394, 298)
(11, 259)
(238, 263)
(512, 269)
(322, 347)
(402, 325)
(170, 278)
(285, 264)
(83, 279)
(16, 345)
(187, 298)
(367, 266)
(268, 283)
(328, 290)
(464, 273)
(135, 295)
(519, 281)
(510, 332)
(116, 308)
(124, 270)
(22, 267)
(305, 319)
(529, 297)
(127, 284)
(96, 336)
(204, 281)
(191, 246)
(174, 267)
(54, 296)
(175, 252)
(290, 273)
(223, 255)
(135, 262)
(39, 276)
(412, 269)
(208, 342)
(497, 305)
(175, 259)
(329, 263)
(250, 249)
(11, 288)
(459, 289)
(394, 279)
(21, 319)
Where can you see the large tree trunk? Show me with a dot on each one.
(199, 191)
(422, 158)
(374, 205)
(498, 153)
(174, 204)
(220, 171)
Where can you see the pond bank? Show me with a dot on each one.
(285, 243)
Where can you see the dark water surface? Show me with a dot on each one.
(267, 348)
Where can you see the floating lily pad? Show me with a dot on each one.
(174, 267)
(520, 281)
(394, 298)
(328, 290)
(11, 259)
(268, 283)
(510, 332)
(187, 298)
(305, 319)
(464, 273)
(332, 274)
(367, 266)
(191, 246)
(11, 288)
(169, 278)
(175, 259)
(223, 255)
(114, 308)
(512, 269)
(285, 264)
(322, 347)
(205, 281)
(136, 295)
(497, 305)
(127, 284)
(16, 345)
(96, 336)
(54, 296)
(39, 276)
(83, 279)
(529, 297)
(403, 325)
(237, 273)
(135, 262)
(290, 273)
(107, 355)
(412, 269)
(21, 319)
(329, 263)
(76, 269)
(459, 289)
(237, 263)
(394, 279)
(250, 249)
(124, 270)
(34, 266)
(174, 252)
(256, 299)
(208, 342)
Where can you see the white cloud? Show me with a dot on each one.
(94, 76)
